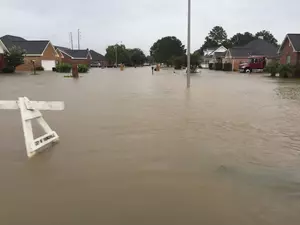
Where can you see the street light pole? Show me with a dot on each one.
(116, 55)
(188, 76)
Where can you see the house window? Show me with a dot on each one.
(288, 59)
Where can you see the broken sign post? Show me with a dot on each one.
(30, 110)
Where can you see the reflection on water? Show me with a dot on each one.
(141, 149)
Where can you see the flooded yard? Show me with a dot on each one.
(137, 149)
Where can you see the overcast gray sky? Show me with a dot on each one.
(139, 23)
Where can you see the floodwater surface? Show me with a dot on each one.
(137, 149)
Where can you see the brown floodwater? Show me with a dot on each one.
(137, 149)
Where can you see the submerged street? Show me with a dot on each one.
(137, 149)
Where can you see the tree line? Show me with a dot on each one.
(170, 50)
(218, 36)
(129, 57)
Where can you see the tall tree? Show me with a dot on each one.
(137, 56)
(150, 59)
(268, 36)
(241, 39)
(166, 48)
(121, 52)
(218, 35)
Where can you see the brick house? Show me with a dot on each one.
(75, 56)
(290, 49)
(98, 58)
(42, 52)
(258, 47)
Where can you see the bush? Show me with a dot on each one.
(8, 70)
(272, 68)
(39, 68)
(284, 70)
(218, 66)
(83, 68)
(63, 68)
(227, 67)
(296, 70)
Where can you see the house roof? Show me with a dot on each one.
(255, 47)
(75, 54)
(97, 56)
(295, 41)
(31, 47)
(262, 47)
(237, 52)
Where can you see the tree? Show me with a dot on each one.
(121, 53)
(129, 57)
(268, 36)
(241, 39)
(166, 48)
(216, 37)
(150, 59)
(137, 56)
(14, 57)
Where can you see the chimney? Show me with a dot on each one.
(261, 37)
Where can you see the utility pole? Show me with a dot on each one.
(78, 39)
(188, 75)
(71, 40)
(116, 53)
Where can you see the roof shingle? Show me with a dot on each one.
(295, 39)
(31, 47)
(97, 56)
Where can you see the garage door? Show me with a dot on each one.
(48, 64)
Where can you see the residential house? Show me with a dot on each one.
(41, 52)
(2, 51)
(213, 55)
(71, 56)
(98, 58)
(258, 47)
(290, 49)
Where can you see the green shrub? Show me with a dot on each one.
(83, 68)
(284, 70)
(8, 70)
(227, 67)
(272, 68)
(39, 68)
(296, 70)
(63, 68)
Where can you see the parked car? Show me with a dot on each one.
(95, 64)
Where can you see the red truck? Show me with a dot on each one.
(254, 64)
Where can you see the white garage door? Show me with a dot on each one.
(48, 64)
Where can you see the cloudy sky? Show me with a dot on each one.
(139, 23)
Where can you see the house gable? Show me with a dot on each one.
(49, 52)
(294, 41)
(221, 49)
